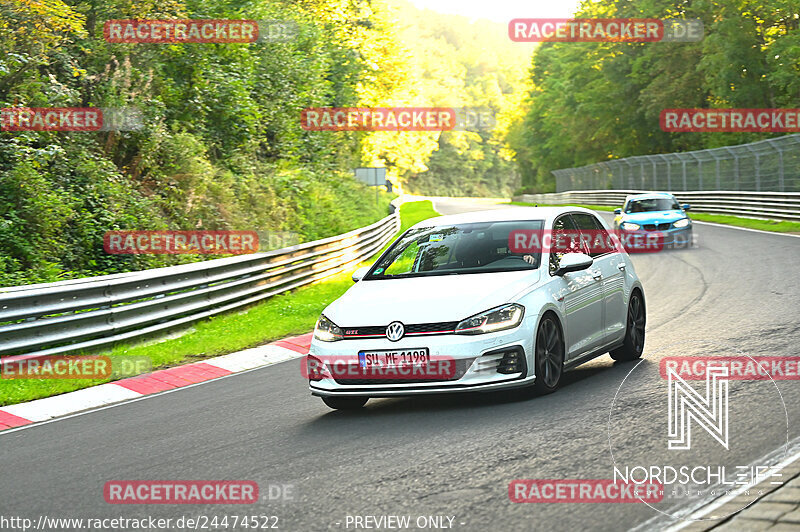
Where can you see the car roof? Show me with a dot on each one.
(501, 215)
(649, 195)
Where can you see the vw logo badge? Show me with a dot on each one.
(395, 331)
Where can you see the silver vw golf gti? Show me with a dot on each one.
(453, 305)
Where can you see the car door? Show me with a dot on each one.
(582, 298)
(609, 266)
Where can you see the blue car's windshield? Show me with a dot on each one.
(652, 204)
(462, 248)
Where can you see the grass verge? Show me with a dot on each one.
(283, 315)
(738, 221)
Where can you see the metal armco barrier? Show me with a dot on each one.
(69, 317)
(770, 205)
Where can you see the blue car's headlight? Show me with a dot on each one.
(628, 226)
(497, 319)
(683, 222)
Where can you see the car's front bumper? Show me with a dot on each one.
(678, 237)
(673, 237)
(477, 356)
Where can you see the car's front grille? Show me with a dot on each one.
(657, 227)
(418, 329)
(462, 365)
(432, 328)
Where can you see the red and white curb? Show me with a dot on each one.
(151, 383)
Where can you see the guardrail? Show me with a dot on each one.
(85, 314)
(770, 205)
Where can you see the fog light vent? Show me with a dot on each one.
(513, 361)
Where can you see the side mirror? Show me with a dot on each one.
(359, 273)
(573, 262)
(617, 211)
(686, 206)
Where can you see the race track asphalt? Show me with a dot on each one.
(451, 455)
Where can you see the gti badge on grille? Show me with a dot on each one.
(395, 331)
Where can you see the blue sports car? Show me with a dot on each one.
(656, 211)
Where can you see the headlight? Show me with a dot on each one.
(627, 226)
(326, 330)
(498, 319)
(683, 222)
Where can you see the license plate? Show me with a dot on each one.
(400, 358)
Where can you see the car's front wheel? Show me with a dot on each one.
(549, 356)
(633, 345)
(345, 403)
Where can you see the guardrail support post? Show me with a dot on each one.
(655, 180)
(699, 174)
(758, 172)
(669, 176)
(641, 172)
(683, 164)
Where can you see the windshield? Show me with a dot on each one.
(463, 248)
(652, 204)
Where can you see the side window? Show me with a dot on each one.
(588, 225)
(603, 231)
(563, 224)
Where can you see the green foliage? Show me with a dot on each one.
(414, 212)
(592, 102)
(456, 62)
(221, 146)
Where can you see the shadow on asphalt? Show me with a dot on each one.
(455, 402)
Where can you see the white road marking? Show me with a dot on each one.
(109, 395)
(713, 504)
(746, 229)
(264, 355)
(142, 398)
(59, 405)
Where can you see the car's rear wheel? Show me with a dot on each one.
(345, 403)
(633, 344)
(549, 356)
